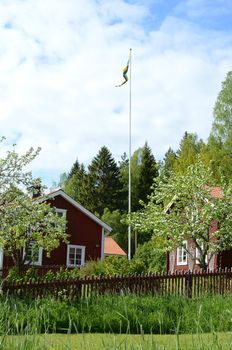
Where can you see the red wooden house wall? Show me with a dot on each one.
(84, 229)
(191, 264)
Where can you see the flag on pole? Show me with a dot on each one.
(125, 76)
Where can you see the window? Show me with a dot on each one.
(33, 255)
(75, 255)
(182, 254)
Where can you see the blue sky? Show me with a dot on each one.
(60, 61)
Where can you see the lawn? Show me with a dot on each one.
(212, 341)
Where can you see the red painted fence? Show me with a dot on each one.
(191, 284)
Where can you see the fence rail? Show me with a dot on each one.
(190, 284)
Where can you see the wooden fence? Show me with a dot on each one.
(189, 284)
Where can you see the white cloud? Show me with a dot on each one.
(60, 62)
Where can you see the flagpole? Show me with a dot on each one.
(129, 173)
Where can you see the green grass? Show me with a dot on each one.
(123, 314)
(139, 323)
(213, 341)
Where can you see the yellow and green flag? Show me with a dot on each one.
(125, 76)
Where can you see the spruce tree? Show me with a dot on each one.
(136, 160)
(147, 172)
(74, 184)
(75, 169)
(103, 186)
(168, 163)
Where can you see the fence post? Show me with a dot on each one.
(188, 284)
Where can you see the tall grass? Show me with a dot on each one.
(159, 323)
(116, 314)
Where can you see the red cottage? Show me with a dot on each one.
(86, 236)
(180, 260)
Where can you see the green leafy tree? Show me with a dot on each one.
(216, 157)
(222, 124)
(23, 220)
(190, 213)
(218, 153)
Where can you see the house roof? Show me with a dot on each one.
(77, 205)
(112, 248)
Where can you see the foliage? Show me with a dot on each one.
(222, 124)
(124, 173)
(187, 153)
(23, 220)
(145, 260)
(217, 158)
(151, 255)
(143, 170)
(217, 153)
(75, 182)
(119, 314)
(168, 162)
(182, 207)
(148, 171)
(102, 186)
(33, 274)
(110, 266)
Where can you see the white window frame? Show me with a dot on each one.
(40, 257)
(82, 254)
(180, 253)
